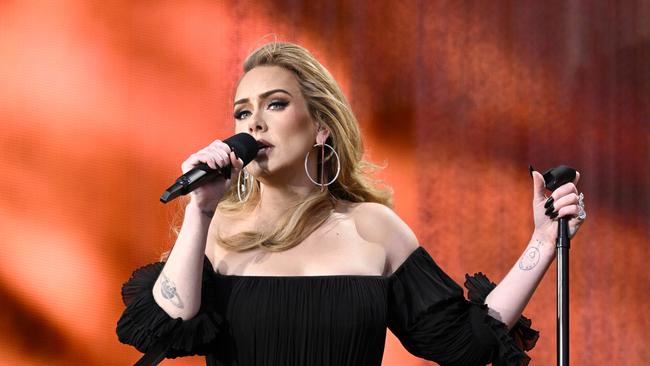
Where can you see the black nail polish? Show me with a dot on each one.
(553, 215)
(549, 202)
(531, 169)
(549, 211)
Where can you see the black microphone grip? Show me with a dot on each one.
(194, 178)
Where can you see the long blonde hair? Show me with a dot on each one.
(327, 105)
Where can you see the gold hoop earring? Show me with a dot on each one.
(338, 166)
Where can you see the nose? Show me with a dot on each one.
(256, 123)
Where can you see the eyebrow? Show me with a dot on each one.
(263, 95)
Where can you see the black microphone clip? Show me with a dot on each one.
(553, 179)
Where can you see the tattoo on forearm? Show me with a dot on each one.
(168, 291)
(531, 257)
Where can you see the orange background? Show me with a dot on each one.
(101, 101)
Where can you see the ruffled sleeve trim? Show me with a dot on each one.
(428, 312)
(144, 324)
(512, 343)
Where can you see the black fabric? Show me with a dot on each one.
(143, 323)
(524, 337)
(326, 320)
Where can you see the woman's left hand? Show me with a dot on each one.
(565, 201)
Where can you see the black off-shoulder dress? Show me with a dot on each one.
(326, 320)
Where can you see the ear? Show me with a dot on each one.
(322, 134)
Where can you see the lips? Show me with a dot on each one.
(264, 147)
(263, 152)
(261, 143)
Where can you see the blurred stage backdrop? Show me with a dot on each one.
(101, 101)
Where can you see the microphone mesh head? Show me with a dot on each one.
(244, 145)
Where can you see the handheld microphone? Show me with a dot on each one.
(245, 148)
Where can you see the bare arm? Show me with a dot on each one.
(178, 288)
(507, 301)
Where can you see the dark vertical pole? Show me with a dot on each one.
(563, 244)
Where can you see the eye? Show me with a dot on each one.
(239, 115)
(278, 105)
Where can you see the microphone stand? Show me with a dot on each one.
(553, 179)
(563, 245)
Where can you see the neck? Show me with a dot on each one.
(280, 192)
(275, 200)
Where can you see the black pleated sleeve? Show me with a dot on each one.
(429, 314)
(144, 324)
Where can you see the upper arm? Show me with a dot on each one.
(379, 224)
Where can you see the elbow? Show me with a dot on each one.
(508, 320)
(183, 314)
(508, 317)
(176, 307)
(189, 314)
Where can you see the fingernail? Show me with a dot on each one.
(549, 210)
(548, 202)
(531, 169)
(553, 215)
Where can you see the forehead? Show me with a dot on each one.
(264, 78)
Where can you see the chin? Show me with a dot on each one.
(258, 169)
(263, 171)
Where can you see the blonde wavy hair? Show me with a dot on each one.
(328, 105)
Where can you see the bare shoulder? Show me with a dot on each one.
(380, 224)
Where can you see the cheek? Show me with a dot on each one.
(296, 131)
(299, 141)
(240, 127)
(303, 127)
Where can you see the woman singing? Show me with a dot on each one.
(302, 262)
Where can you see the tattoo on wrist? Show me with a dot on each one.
(168, 291)
(531, 257)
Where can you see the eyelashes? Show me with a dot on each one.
(276, 105)
(240, 115)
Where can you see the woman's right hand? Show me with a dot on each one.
(216, 155)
